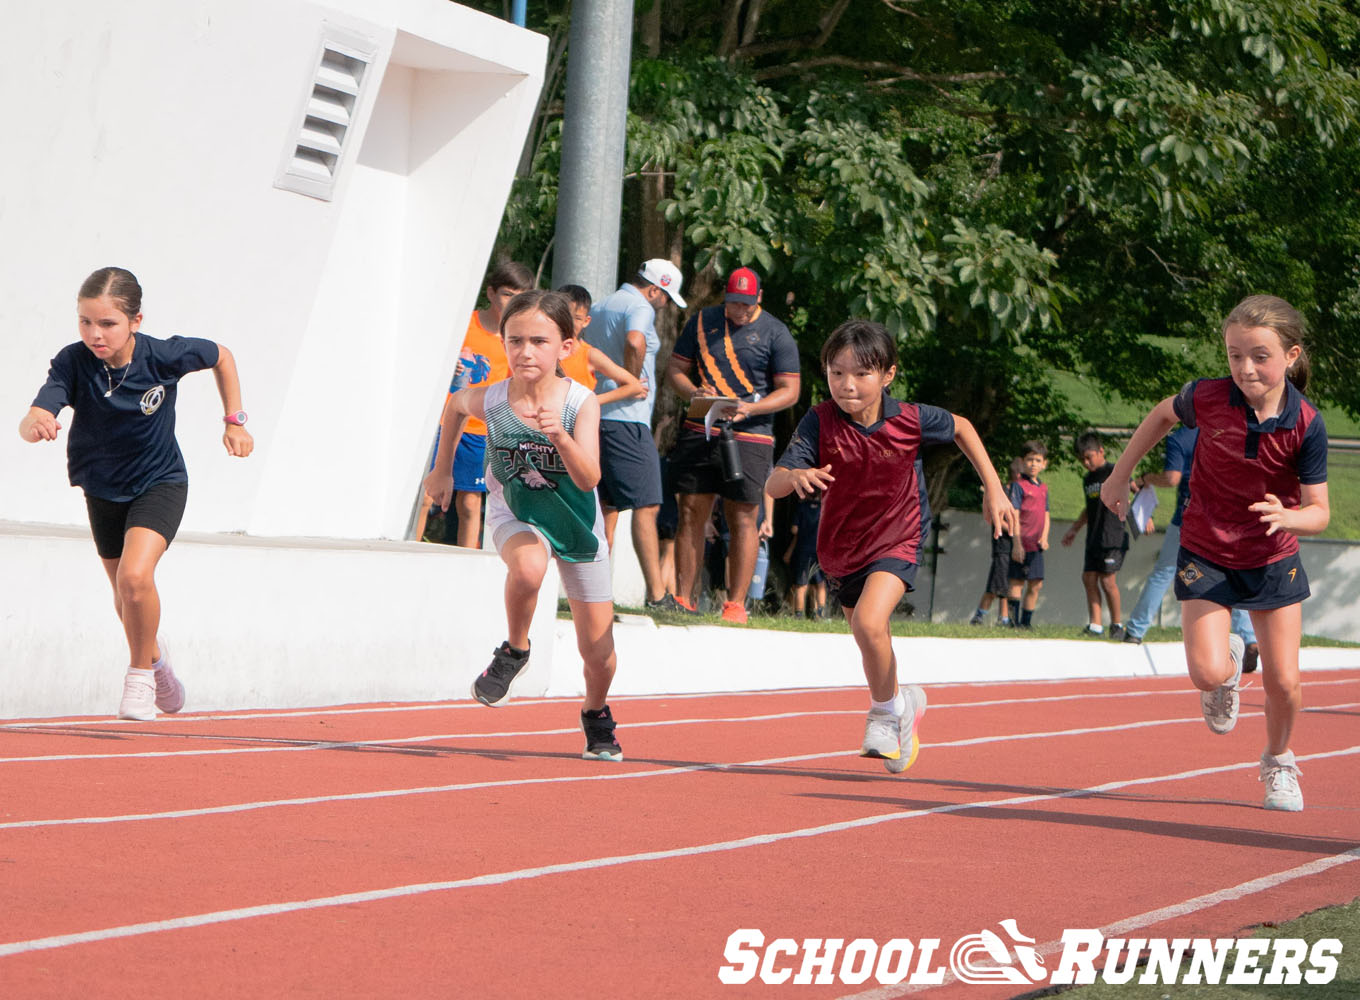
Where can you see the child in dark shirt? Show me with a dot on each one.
(1106, 539)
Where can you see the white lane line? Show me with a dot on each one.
(388, 793)
(1122, 927)
(593, 864)
(78, 723)
(279, 745)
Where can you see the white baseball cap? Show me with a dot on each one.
(664, 275)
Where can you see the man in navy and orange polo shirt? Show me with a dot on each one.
(739, 351)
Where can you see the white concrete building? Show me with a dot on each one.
(317, 186)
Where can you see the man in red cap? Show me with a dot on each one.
(738, 351)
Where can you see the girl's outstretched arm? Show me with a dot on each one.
(1114, 492)
(236, 438)
(996, 505)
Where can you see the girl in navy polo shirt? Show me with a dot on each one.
(121, 450)
(862, 450)
(1260, 481)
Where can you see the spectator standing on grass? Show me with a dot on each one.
(1005, 548)
(739, 351)
(1180, 453)
(623, 326)
(1106, 539)
(1030, 497)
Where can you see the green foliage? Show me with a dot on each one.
(1031, 194)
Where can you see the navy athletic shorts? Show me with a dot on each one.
(1274, 585)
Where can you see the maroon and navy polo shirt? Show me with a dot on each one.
(877, 507)
(1030, 498)
(1238, 460)
(740, 362)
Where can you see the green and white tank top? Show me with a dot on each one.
(526, 479)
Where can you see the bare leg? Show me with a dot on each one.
(647, 545)
(695, 510)
(594, 622)
(135, 597)
(1110, 586)
(743, 548)
(1277, 633)
(526, 563)
(870, 623)
(469, 507)
(1205, 628)
(1091, 583)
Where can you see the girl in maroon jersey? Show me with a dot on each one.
(1260, 481)
(862, 450)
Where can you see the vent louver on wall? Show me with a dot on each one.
(318, 142)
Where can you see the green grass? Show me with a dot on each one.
(907, 627)
(1340, 922)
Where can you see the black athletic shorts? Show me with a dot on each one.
(849, 588)
(1104, 561)
(697, 468)
(1264, 588)
(160, 508)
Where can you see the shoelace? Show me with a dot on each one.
(1281, 777)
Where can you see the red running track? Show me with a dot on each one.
(448, 850)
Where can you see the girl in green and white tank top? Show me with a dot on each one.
(542, 464)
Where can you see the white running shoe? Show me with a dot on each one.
(169, 689)
(139, 698)
(1281, 776)
(882, 735)
(1220, 706)
(916, 707)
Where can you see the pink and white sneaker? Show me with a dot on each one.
(169, 690)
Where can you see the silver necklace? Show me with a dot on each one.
(108, 375)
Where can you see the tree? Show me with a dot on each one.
(1012, 186)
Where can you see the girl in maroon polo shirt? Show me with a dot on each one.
(862, 450)
(1260, 481)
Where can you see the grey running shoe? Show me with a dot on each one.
(911, 721)
(492, 686)
(1220, 706)
(1281, 776)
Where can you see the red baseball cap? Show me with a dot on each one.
(743, 285)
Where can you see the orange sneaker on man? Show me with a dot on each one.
(734, 612)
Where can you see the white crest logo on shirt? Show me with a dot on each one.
(152, 399)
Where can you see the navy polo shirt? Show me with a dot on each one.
(740, 362)
(1238, 460)
(121, 443)
(877, 507)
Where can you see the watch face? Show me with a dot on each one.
(238, 418)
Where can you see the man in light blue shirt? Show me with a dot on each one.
(623, 326)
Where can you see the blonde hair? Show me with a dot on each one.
(1277, 314)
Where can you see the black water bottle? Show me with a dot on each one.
(729, 453)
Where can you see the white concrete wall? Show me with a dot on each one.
(254, 623)
(149, 135)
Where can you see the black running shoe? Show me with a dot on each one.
(1117, 633)
(599, 730)
(1251, 658)
(492, 686)
(668, 604)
